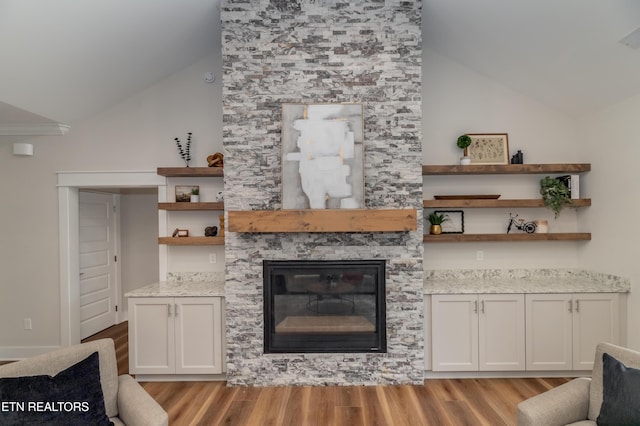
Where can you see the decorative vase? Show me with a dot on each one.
(435, 229)
(465, 160)
(195, 198)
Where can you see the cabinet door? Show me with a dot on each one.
(198, 327)
(548, 331)
(151, 335)
(427, 332)
(595, 320)
(454, 332)
(501, 332)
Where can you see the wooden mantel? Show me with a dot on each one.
(367, 220)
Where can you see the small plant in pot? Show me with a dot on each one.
(463, 143)
(195, 195)
(436, 220)
(555, 194)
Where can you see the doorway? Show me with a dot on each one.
(69, 185)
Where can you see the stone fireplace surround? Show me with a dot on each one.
(314, 51)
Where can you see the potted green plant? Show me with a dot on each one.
(436, 220)
(463, 143)
(195, 195)
(555, 194)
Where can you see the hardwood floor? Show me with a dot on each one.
(438, 402)
(120, 335)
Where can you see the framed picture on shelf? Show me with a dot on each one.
(489, 148)
(454, 223)
(183, 192)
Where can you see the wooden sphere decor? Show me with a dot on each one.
(216, 160)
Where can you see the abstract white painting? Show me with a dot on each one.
(322, 161)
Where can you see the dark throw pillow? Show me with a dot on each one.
(72, 397)
(620, 394)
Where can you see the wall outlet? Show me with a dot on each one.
(479, 255)
(213, 258)
(27, 324)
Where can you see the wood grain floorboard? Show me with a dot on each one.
(349, 416)
(297, 408)
(431, 404)
(404, 405)
(438, 402)
(218, 413)
(480, 402)
(322, 405)
(270, 407)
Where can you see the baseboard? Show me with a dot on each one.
(502, 374)
(16, 353)
(180, 377)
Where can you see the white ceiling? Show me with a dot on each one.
(65, 60)
(564, 53)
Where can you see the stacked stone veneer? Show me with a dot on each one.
(323, 51)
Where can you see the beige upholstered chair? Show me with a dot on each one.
(126, 402)
(577, 402)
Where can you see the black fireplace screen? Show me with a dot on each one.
(324, 306)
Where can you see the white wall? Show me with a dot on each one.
(611, 139)
(457, 100)
(138, 240)
(136, 134)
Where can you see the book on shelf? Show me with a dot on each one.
(573, 183)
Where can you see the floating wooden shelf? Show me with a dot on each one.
(191, 206)
(190, 171)
(474, 203)
(368, 220)
(476, 169)
(191, 241)
(204, 206)
(458, 238)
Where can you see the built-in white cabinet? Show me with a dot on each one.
(426, 321)
(176, 335)
(472, 332)
(563, 329)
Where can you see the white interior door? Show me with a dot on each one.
(97, 262)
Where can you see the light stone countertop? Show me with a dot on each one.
(179, 289)
(522, 281)
(186, 284)
(455, 281)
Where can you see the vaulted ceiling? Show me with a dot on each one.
(564, 53)
(65, 60)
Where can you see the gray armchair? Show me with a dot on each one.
(576, 402)
(126, 402)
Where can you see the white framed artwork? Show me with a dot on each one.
(322, 156)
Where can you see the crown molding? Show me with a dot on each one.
(33, 129)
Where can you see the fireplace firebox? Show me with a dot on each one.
(324, 306)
